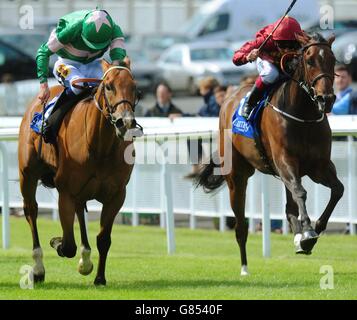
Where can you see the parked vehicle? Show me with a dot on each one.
(184, 65)
(14, 64)
(144, 69)
(27, 42)
(155, 44)
(233, 20)
(340, 27)
(345, 49)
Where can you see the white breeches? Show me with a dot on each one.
(65, 71)
(268, 72)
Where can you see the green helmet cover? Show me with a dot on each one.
(97, 29)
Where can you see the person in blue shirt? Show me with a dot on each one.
(343, 81)
(210, 107)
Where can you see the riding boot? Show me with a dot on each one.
(64, 103)
(255, 95)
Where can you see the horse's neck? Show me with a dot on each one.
(101, 136)
(295, 101)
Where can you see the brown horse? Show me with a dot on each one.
(296, 137)
(86, 163)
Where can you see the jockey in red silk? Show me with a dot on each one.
(268, 58)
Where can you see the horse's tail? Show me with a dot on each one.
(206, 177)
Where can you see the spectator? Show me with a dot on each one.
(343, 81)
(164, 106)
(346, 99)
(210, 107)
(220, 95)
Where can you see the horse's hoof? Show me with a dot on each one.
(56, 243)
(99, 281)
(308, 240)
(38, 278)
(298, 249)
(244, 271)
(303, 252)
(85, 269)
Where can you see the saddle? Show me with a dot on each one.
(49, 125)
(251, 128)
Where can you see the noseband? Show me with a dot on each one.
(307, 85)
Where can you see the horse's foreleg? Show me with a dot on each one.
(292, 214)
(85, 265)
(288, 171)
(65, 246)
(328, 178)
(109, 211)
(28, 189)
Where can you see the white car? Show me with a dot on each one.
(183, 65)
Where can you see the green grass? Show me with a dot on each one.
(206, 266)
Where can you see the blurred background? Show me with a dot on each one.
(175, 41)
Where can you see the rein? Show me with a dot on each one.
(306, 85)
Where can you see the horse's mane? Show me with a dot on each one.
(123, 64)
(89, 98)
(316, 37)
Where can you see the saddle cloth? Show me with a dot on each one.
(36, 123)
(242, 126)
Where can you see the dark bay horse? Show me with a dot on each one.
(296, 136)
(88, 162)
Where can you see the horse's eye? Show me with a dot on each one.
(108, 87)
(310, 62)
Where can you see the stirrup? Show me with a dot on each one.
(246, 112)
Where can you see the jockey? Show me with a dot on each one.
(268, 57)
(80, 39)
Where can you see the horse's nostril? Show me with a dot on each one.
(133, 123)
(119, 123)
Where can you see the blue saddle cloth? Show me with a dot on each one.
(250, 128)
(36, 123)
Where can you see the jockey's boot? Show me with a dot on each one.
(64, 103)
(255, 95)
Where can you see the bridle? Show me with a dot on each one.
(109, 107)
(307, 85)
(118, 123)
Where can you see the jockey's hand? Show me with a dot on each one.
(44, 92)
(253, 55)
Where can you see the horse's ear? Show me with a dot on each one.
(127, 61)
(302, 38)
(105, 65)
(331, 39)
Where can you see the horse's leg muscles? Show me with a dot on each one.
(328, 178)
(237, 193)
(28, 186)
(65, 246)
(288, 172)
(107, 217)
(85, 265)
(292, 214)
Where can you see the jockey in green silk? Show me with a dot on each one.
(80, 40)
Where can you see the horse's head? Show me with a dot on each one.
(318, 63)
(119, 93)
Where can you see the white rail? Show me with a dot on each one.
(151, 188)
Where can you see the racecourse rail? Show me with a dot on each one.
(157, 184)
